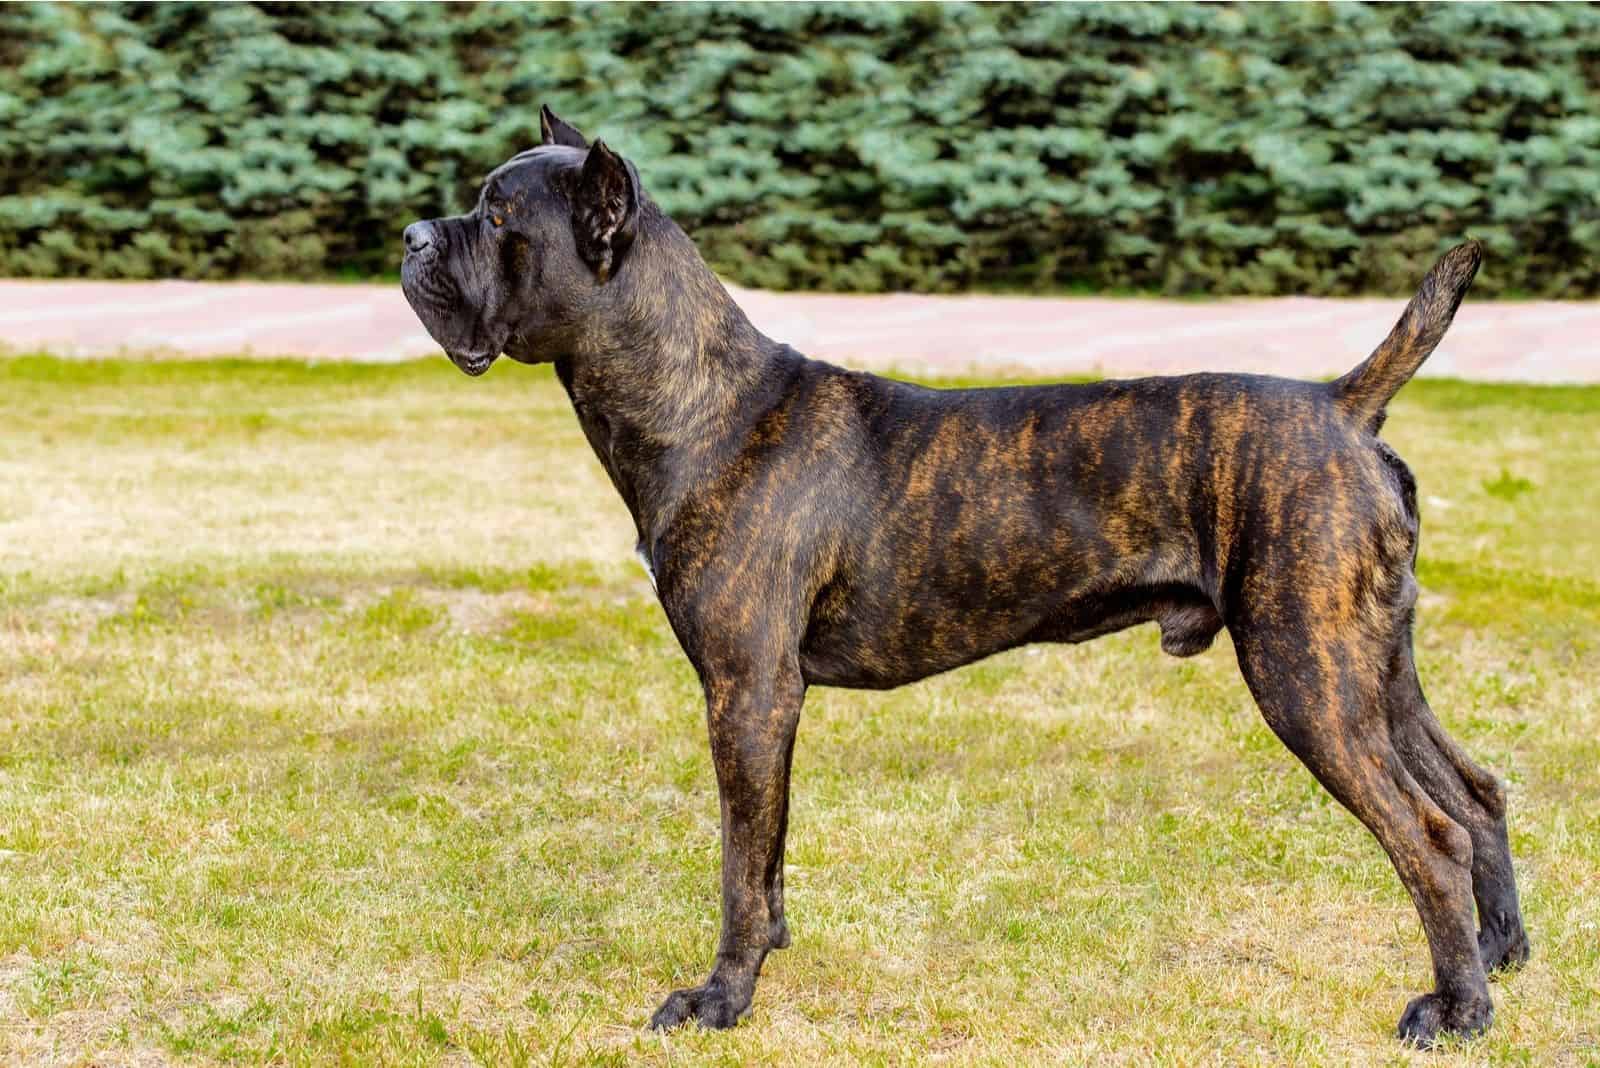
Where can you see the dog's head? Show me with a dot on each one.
(520, 273)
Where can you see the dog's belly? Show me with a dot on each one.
(883, 644)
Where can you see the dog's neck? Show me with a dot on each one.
(673, 359)
(669, 379)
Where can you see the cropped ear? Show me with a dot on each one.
(605, 210)
(555, 131)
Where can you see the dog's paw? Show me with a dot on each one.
(711, 1005)
(1434, 1016)
(778, 938)
(1502, 951)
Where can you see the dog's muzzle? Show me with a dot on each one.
(434, 296)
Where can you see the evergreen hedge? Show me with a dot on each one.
(1297, 148)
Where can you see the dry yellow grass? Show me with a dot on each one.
(339, 725)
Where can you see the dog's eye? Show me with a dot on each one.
(497, 220)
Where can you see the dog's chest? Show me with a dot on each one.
(644, 561)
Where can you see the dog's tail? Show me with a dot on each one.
(1365, 391)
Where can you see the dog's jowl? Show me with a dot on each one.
(807, 525)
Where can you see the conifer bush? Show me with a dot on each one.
(1179, 148)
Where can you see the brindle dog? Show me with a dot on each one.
(807, 525)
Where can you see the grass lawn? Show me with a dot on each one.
(337, 723)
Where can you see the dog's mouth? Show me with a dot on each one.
(473, 365)
(439, 303)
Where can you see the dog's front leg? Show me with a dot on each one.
(752, 717)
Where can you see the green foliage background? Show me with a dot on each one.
(1315, 148)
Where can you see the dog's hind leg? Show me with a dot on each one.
(1321, 689)
(1474, 799)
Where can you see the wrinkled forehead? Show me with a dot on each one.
(531, 171)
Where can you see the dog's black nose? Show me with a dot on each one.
(418, 236)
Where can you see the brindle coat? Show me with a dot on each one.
(808, 525)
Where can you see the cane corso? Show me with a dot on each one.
(806, 525)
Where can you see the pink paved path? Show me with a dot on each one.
(1526, 342)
